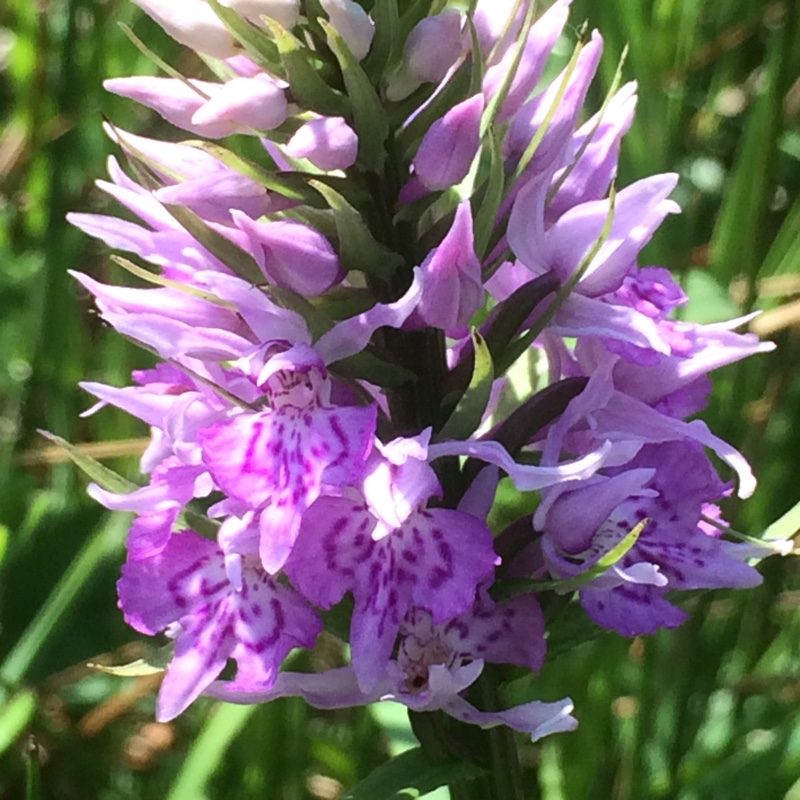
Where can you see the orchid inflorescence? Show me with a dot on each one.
(408, 277)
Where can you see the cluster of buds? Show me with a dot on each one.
(407, 276)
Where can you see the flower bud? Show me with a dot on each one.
(447, 151)
(292, 255)
(452, 287)
(250, 102)
(352, 23)
(432, 47)
(327, 142)
(193, 23)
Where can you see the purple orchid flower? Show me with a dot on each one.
(215, 609)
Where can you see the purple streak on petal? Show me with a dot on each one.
(277, 461)
(632, 610)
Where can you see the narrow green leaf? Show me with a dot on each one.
(410, 775)
(495, 105)
(469, 412)
(303, 75)
(156, 660)
(491, 197)
(615, 83)
(260, 47)
(3, 543)
(159, 62)
(476, 80)
(159, 280)
(223, 725)
(107, 539)
(100, 474)
(230, 254)
(386, 47)
(515, 587)
(369, 367)
(534, 143)
(369, 116)
(113, 482)
(785, 527)
(358, 248)
(15, 714)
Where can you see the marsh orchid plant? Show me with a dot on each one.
(385, 266)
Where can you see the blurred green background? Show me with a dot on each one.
(709, 711)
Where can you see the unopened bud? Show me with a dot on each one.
(328, 143)
(352, 23)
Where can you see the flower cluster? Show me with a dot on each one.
(336, 296)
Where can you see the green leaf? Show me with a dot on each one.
(160, 280)
(358, 248)
(159, 62)
(154, 661)
(514, 587)
(476, 80)
(534, 143)
(785, 527)
(386, 47)
(369, 367)
(495, 105)
(303, 74)
(223, 725)
(114, 482)
(411, 775)
(516, 430)
(491, 197)
(230, 254)
(369, 116)
(15, 714)
(469, 412)
(254, 41)
(100, 474)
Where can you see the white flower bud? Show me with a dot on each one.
(193, 23)
(352, 23)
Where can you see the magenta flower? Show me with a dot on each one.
(214, 610)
